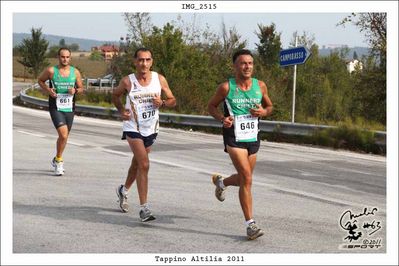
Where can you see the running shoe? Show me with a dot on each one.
(219, 192)
(146, 215)
(253, 231)
(58, 167)
(123, 205)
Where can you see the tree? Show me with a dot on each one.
(371, 83)
(74, 47)
(96, 56)
(374, 26)
(16, 51)
(61, 43)
(53, 51)
(231, 40)
(270, 45)
(306, 39)
(139, 26)
(355, 56)
(33, 52)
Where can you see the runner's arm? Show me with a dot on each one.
(123, 86)
(44, 76)
(79, 84)
(217, 98)
(266, 102)
(170, 100)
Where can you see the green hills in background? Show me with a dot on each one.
(86, 44)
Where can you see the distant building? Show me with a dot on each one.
(353, 65)
(334, 46)
(107, 51)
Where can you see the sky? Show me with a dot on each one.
(111, 26)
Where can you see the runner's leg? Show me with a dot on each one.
(132, 173)
(62, 139)
(243, 165)
(143, 165)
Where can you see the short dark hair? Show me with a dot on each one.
(63, 48)
(241, 52)
(142, 49)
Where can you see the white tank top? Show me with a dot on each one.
(145, 116)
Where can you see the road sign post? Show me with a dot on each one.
(294, 56)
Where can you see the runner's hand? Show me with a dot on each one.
(126, 114)
(157, 101)
(228, 122)
(71, 91)
(260, 111)
(52, 93)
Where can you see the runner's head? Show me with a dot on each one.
(143, 60)
(64, 56)
(243, 62)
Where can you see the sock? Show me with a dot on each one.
(221, 184)
(58, 159)
(144, 206)
(247, 223)
(124, 190)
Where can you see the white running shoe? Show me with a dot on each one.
(146, 215)
(58, 167)
(123, 205)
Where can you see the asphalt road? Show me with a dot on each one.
(300, 195)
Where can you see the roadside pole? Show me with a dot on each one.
(294, 56)
(294, 86)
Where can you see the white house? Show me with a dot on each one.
(354, 64)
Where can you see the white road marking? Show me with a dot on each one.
(126, 154)
(76, 143)
(32, 134)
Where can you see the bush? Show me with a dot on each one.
(348, 137)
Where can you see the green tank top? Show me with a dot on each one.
(239, 102)
(64, 101)
(61, 84)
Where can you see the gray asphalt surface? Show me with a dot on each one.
(299, 194)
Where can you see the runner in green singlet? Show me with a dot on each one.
(245, 101)
(64, 82)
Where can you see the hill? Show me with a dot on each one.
(84, 44)
(360, 51)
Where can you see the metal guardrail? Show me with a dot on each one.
(100, 82)
(199, 120)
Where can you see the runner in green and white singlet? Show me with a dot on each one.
(245, 101)
(238, 104)
(64, 101)
(65, 81)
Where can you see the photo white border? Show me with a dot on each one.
(7, 10)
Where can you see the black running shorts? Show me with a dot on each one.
(229, 139)
(62, 118)
(148, 141)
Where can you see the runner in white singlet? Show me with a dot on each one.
(145, 119)
(140, 117)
